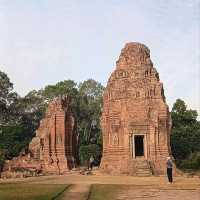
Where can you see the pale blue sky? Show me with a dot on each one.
(46, 41)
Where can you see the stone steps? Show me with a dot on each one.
(143, 172)
(142, 168)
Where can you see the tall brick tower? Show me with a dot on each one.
(55, 144)
(135, 120)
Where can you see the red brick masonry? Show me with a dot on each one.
(134, 105)
(54, 148)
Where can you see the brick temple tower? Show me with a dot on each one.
(135, 121)
(55, 144)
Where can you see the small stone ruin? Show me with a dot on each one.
(54, 148)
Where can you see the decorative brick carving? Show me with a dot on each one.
(134, 105)
(54, 148)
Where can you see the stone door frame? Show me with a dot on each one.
(132, 148)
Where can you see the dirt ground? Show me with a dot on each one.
(74, 178)
(156, 194)
(151, 188)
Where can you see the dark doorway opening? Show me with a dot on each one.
(139, 145)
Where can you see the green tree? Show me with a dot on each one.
(185, 137)
(66, 87)
(2, 159)
(90, 102)
(32, 107)
(20, 116)
(86, 151)
(90, 105)
(182, 116)
(7, 99)
(17, 120)
(13, 140)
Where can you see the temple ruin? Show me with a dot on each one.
(135, 121)
(54, 148)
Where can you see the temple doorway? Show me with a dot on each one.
(139, 145)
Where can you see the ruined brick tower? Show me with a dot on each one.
(135, 120)
(55, 144)
(54, 149)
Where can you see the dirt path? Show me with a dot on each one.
(78, 192)
(136, 188)
(155, 194)
(75, 179)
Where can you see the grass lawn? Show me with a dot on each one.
(30, 191)
(105, 192)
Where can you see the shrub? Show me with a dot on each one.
(193, 162)
(85, 152)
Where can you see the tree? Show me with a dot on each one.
(13, 140)
(5, 87)
(7, 98)
(90, 102)
(185, 137)
(90, 105)
(66, 87)
(2, 159)
(32, 107)
(87, 151)
(18, 119)
(181, 115)
(20, 116)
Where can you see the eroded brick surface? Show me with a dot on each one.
(134, 105)
(54, 148)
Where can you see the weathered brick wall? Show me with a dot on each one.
(134, 103)
(55, 144)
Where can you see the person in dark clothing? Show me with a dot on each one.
(91, 162)
(169, 169)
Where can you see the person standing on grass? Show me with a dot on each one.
(169, 169)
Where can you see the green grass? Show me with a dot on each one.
(105, 192)
(30, 191)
